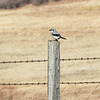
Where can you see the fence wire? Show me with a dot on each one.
(44, 83)
(67, 59)
(38, 83)
(22, 61)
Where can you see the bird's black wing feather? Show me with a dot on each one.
(55, 34)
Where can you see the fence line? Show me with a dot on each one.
(67, 59)
(22, 61)
(98, 82)
(44, 83)
(82, 58)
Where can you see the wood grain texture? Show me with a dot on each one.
(53, 70)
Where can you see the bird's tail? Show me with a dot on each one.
(63, 37)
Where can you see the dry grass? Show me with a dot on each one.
(24, 35)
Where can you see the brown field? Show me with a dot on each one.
(24, 35)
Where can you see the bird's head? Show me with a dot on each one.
(52, 30)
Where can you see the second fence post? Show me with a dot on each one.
(53, 70)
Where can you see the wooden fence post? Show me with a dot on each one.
(53, 70)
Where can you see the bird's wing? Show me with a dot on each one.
(55, 34)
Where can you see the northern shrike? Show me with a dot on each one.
(55, 34)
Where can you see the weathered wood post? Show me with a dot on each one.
(53, 70)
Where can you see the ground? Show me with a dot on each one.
(24, 35)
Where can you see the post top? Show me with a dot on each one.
(53, 41)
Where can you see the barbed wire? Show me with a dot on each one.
(44, 83)
(67, 59)
(22, 61)
(82, 58)
(24, 83)
(98, 82)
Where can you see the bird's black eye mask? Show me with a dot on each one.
(51, 30)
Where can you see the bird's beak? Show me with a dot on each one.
(50, 30)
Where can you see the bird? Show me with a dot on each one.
(55, 34)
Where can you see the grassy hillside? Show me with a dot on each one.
(24, 35)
